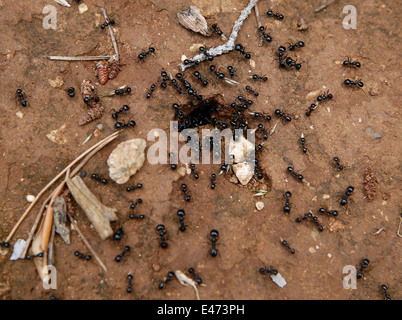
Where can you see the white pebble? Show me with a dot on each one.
(259, 205)
(30, 198)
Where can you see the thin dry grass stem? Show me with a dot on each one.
(80, 58)
(86, 242)
(111, 35)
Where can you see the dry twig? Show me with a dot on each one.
(230, 44)
(82, 58)
(111, 35)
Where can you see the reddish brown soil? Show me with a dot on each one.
(249, 239)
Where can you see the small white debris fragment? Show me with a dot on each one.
(279, 280)
(19, 114)
(183, 57)
(259, 205)
(82, 8)
(19, 247)
(252, 63)
(311, 250)
(326, 196)
(30, 198)
(63, 3)
(186, 281)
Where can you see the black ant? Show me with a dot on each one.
(260, 115)
(261, 127)
(350, 63)
(293, 63)
(298, 44)
(184, 189)
(240, 48)
(115, 115)
(220, 75)
(204, 51)
(108, 22)
(325, 97)
(168, 278)
(217, 30)
(330, 212)
(120, 256)
(22, 98)
(314, 218)
(214, 234)
(96, 177)
(71, 92)
(118, 234)
(192, 166)
(119, 92)
(336, 159)
(269, 271)
(138, 186)
(311, 108)
(363, 266)
(122, 125)
(5, 244)
(181, 214)
(81, 256)
(297, 175)
(231, 70)
(39, 255)
(151, 90)
(277, 16)
(164, 79)
(133, 204)
(143, 54)
(385, 288)
(284, 242)
(283, 115)
(179, 90)
(188, 62)
(199, 77)
(255, 93)
(257, 77)
(129, 286)
(196, 277)
(266, 36)
(357, 83)
(162, 231)
(303, 143)
(213, 177)
(286, 208)
(348, 193)
(246, 101)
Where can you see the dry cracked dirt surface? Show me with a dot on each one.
(359, 126)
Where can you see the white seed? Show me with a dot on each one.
(30, 198)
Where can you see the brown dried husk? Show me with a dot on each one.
(193, 19)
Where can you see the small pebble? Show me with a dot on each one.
(259, 205)
(30, 198)
(83, 174)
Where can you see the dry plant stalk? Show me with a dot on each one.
(193, 19)
(111, 34)
(230, 44)
(80, 58)
(98, 214)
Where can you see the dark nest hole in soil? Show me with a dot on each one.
(211, 111)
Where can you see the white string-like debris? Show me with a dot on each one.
(186, 281)
(228, 45)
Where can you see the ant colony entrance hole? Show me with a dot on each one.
(212, 113)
